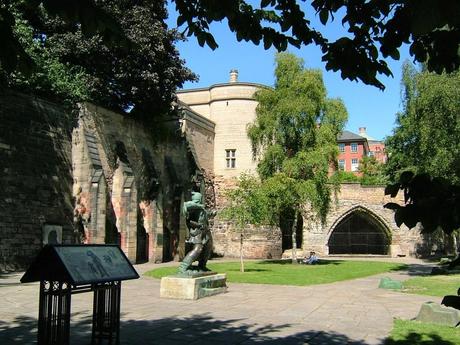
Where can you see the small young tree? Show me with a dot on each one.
(372, 171)
(246, 205)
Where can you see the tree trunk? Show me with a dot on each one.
(449, 244)
(294, 239)
(241, 253)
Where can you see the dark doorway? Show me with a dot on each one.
(142, 240)
(286, 220)
(359, 233)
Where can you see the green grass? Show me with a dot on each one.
(285, 273)
(417, 333)
(437, 285)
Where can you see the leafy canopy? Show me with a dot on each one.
(425, 139)
(424, 151)
(376, 29)
(118, 54)
(294, 137)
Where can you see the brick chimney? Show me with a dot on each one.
(233, 76)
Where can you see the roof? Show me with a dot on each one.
(80, 264)
(349, 136)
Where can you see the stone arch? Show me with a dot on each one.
(359, 230)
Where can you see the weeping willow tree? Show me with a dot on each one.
(294, 138)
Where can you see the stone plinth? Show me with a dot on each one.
(192, 287)
(434, 313)
(388, 283)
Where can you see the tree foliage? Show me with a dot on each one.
(118, 54)
(376, 29)
(425, 139)
(294, 136)
(373, 171)
(434, 202)
(246, 203)
(424, 151)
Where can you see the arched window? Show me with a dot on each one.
(359, 233)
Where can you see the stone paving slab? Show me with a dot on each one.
(350, 312)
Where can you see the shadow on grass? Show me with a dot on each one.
(323, 262)
(289, 262)
(237, 269)
(419, 270)
(417, 339)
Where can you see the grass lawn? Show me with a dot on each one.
(285, 273)
(437, 285)
(417, 333)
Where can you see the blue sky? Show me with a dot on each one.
(367, 106)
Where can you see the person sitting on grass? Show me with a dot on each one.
(311, 260)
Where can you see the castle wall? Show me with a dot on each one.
(231, 107)
(92, 176)
(370, 199)
(200, 133)
(35, 177)
(259, 242)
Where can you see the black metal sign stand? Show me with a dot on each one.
(106, 313)
(64, 270)
(54, 312)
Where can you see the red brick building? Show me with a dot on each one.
(376, 147)
(352, 149)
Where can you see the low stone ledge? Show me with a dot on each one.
(435, 313)
(193, 287)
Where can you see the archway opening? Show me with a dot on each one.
(359, 233)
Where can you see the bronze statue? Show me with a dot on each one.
(199, 235)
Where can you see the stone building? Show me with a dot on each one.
(357, 223)
(92, 176)
(352, 149)
(95, 176)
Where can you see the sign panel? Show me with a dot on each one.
(95, 263)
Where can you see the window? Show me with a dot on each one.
(230, 157)
(370, 153)
(341, 147)
(354, 164)
(341, 164)
(354, 147)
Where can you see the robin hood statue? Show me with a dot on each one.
(199, 235)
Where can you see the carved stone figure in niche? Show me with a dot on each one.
(199, 235)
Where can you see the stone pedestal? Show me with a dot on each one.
(193, 287)
(434, 313)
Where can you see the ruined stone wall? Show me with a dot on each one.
(200, 134)
(147, 177)
(369, 199)
(92, 176)
(259, 242)
(35, 176)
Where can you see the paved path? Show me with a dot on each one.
(351, 312)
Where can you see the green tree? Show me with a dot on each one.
(118, 54)
(373, 172)
(425, 139)
(294, 137)
(247, 204)
(376, 29)
(424, 151)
